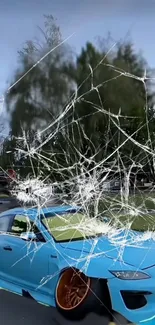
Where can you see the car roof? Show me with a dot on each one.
(36, 211)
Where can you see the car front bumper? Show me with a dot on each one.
(143, 292)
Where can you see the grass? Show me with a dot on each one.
(142, 223)
(138, 210)
(145, 200)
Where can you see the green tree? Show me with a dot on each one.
(110, 105)
(39, 94)
(42, 91)
(111, 102)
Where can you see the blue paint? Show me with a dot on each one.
(36, 266)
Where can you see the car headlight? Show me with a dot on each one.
(130, 275)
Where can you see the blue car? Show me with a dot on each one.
(47, 255)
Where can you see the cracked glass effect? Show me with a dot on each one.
(85, 182)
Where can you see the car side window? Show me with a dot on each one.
(20, 224)
(23, 224)
(4, 223)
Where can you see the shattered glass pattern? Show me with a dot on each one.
(111, 214)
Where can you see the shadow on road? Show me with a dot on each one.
(16, 310)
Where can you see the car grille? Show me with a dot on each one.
(135, 300)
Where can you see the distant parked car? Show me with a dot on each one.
(7, 177)
(111, 185)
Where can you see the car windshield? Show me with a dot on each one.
(73, 226)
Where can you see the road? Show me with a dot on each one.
(16, 310)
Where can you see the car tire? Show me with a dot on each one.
(76, 295)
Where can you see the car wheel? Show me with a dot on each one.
(76, 294)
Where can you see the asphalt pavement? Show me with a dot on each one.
(16, 310)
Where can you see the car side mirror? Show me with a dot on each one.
(29, 236)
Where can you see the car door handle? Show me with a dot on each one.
(7, 248)
(53, 256)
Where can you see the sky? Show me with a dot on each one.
(85, 19)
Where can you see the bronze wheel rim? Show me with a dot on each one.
(72, 289)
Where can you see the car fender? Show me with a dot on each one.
(91, 265)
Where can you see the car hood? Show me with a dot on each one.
(139, 253)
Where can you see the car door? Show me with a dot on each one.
(5, 250)
(12, 249)
(28, 264)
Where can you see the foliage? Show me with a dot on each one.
(110, 109)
